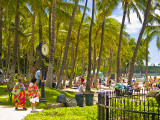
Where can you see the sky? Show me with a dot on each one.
(133, 30)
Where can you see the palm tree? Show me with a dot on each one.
(120, 41)
(1, 13)
(131, 5)
(138, 42)
(107, 7)
(11, 79)
(67, 45)
(72, 70)
(89, 53)
(50, 66)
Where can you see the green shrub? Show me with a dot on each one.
(67, 113)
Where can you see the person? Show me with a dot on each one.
(81, 88)
(137, 87)
(82, 80)
(19, 95)
(150, 81)
(37, 76)
(33, 93)
(100, 81)
(154, 85)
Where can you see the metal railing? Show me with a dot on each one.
(127, 107)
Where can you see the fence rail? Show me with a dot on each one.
(128, 107)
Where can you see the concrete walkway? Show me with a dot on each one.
(9, 113)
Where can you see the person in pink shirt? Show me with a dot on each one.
(33, 93)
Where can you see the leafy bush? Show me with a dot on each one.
(67, 113)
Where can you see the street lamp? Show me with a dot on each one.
(42, 50)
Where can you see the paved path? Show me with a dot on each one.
(9, 113)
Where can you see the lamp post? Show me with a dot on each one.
(42, 50)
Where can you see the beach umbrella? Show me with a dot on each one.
(100, 73)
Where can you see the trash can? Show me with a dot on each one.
(79, 99)
(129, 90)
(118, 91)
(89, 99)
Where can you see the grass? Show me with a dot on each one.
(3, 90)
(50, 95)
(67, 113)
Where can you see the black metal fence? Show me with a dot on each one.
(127, 107)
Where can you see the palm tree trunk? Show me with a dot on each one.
(52, 51)
(49, 26)
(58, 25)
(100, 54)
(31, 50)
(11, 78)
(94, 57)
(66, 73)
(82, 65)
(110, 65)
(18, 57)
(120, 42)
(79, 30)
(138, 42)
(67, 45)
(24, 70)
(1, 27)
(8, 56)
(40, 30)
(75, 74)
(146, 70)
(72, 67)
(89, 82)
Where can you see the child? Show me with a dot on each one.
(33, 94)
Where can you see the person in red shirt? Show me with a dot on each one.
(82, 80)
(33, 93)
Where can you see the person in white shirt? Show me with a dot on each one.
(81, 88)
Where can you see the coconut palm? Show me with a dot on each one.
(67, 45)
(73, 65)
(107, 7)
(139, 41)
(50, 66)
(1, 13)
(89, 49)
(11, 79)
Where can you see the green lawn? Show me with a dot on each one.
(67, 113)
(50, 95)
(3, 90)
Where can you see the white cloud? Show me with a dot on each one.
(134, 26)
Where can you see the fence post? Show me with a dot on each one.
(107, 109)
(98, 106)
(101, 100)
(153, 117)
